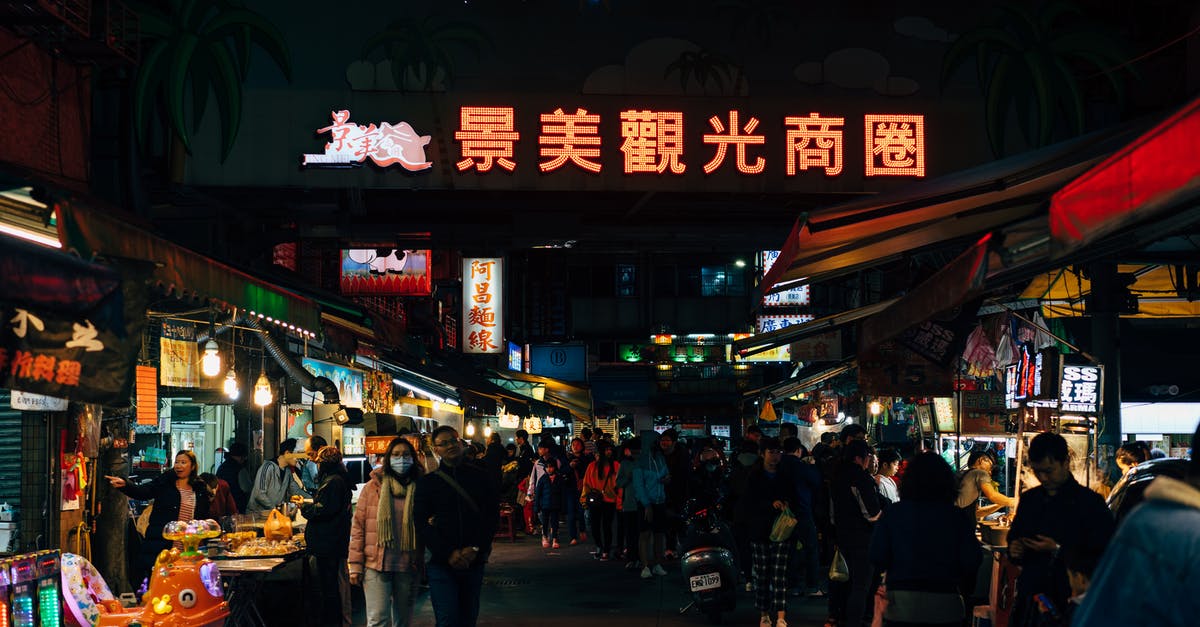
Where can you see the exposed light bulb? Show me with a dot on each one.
(231, 385)
(470, 429)
(262, 391)
(487, 429)
(210, 363)
(875, 408)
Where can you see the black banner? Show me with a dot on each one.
(87, 357)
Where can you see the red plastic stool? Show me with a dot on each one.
(508, 526)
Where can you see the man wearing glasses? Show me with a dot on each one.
(456, 511)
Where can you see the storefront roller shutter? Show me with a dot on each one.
(10, 462)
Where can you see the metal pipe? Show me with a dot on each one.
(281, 356)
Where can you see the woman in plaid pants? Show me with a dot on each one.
(768, 493)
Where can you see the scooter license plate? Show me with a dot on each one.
(707, 581)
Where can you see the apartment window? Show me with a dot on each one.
(725, 280)
(626, 281)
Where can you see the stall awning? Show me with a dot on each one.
(959, 281)
(90, 232)
(50, 280)
(573, 398)
(803, 382)
(868, 232)
(1152, 178)
(766, 341)
(1158, 289)
(412, 379)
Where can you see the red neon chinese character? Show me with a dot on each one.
(481, 293)
(339, 130)
(895, 145)
(481, 316)
(819, 132)
(22, 364)
(488, 134)
(43, 368)
(653, 141)
(68, 372)
(723, 141)
(570, 137)
(482, 268)
(481, 340)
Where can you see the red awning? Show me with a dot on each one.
(865, 233)
(1153, 175)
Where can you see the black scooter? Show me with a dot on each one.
(708, 564)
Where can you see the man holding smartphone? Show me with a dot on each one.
(1050, 518)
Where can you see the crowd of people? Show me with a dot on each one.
(875, 530)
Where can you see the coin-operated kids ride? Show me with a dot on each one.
(185, 588)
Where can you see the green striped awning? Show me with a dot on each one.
(188, 274)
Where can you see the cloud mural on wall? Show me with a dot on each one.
(856, 68)
(645, 71)
(922, 28)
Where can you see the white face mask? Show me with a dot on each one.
(401, 464)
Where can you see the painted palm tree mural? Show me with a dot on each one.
(194, 49)
(703, 66)
(1037, 67)
(421, 50)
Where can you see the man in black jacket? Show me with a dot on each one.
(1056, 516)
(456, 512)
(855, 509)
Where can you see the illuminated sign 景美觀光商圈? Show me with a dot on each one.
(650, 142)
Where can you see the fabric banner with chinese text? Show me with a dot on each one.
(179, 355)
(81, 357)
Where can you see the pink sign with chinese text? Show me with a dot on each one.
(483, 307)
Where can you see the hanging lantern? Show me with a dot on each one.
(470, 429)
(231, 385)
(262, 390)
(210, 363)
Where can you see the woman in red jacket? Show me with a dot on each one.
(600, 496)
(385, 553)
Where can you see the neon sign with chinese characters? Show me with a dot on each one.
(385, 145)
(652, 142)
(483, 308)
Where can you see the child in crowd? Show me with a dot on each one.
(1081, 562)
(550, 495)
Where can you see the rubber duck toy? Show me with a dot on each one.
(162, 605)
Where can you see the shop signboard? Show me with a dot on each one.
(86, 357)
(178, 355)
(349, 382)
(823, 347)
(25, 401)
(515, 355)
(1081, 388)
(385, 272)
(565, 362)
(720, 431)
(652, 142)
(983, 412)
(891, 369)
(386, 144)
(941, 338)
(943, 412)
(795, 297)
(483, 305)
(1034, 377)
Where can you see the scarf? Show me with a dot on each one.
(390, 489)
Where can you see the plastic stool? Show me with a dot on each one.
(508, 526)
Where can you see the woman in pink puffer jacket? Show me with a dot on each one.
(385, 553)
